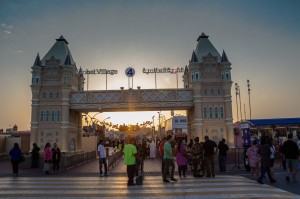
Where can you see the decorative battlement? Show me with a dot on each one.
(134, 100)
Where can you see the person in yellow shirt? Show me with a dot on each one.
(130, 155)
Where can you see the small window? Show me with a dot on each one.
(53, 116)
(219, 91)
(47, 116)
(216, 112)
(57, 133)
(212, 91)
(50, 95)
(204, 112)
(42, 116)
(210, 112)
(44, 94)
(192, 77)
(205, 91)
(58, 116)
(57, 94)
(221, 112)
(223, 76)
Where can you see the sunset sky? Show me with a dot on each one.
(261, 40)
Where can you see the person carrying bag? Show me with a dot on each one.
(47, 158)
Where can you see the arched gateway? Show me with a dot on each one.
(58, 97)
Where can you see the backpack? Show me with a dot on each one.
(139, 180)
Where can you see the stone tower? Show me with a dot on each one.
(208, 74)
(53, 79)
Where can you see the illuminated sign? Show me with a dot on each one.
(97, 71)
(164, 70)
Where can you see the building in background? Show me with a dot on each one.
(176, 125)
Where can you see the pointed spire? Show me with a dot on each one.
(80, 72)
(202, 36)
(37, 61)
(194, 58)
(186, 70)
(68, 60)
(224, 57)
(61, 38)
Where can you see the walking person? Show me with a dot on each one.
(189, 146)
(272, 157)
(161, 152)
(130, 154)
(102, 159)
(181, 158)
(254, 160)
(264, 151)
(55, 157)
(168, 159)
(209, 152)
(223, 149)
(291, 155)
(15, 156)
(35, 156)
(141, 155)
(197, 153)
(47, 158)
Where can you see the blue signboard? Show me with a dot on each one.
(245, 127)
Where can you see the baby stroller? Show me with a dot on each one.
(197, 165)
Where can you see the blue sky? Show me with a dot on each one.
(261, 40)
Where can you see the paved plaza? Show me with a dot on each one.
(83, 181)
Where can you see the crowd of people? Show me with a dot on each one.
(51, 158)
(200, 156)
(175, 151)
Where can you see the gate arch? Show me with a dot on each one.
(206, 81)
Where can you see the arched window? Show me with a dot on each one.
(42, 116)
(47, 116)
(210, 112)
(216, 112)
(53, 116)
(221, 112)
(204, 112)
(205, 91)
(58, 116)
(37, 79)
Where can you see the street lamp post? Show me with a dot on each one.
(248, 85)
(159, 125)
(237, 106)
(153, 128)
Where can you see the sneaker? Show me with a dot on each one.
(260, 181)
(173, 179)
(166, 180)
(101, 174)
(108, 174)
(132, 184)
(273, 181)
(287, 178)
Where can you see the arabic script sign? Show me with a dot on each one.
(164, 70)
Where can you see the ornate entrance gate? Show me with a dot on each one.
(58, 97)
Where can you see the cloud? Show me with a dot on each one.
(7, 32)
